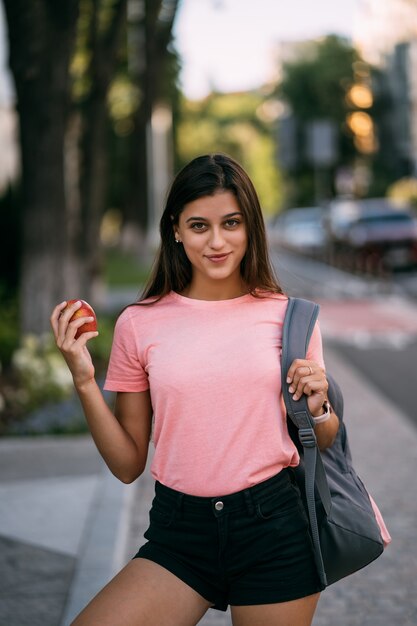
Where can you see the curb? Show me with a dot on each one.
(102, 549)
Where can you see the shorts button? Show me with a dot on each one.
(219, 505)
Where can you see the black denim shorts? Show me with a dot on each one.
(246, 548)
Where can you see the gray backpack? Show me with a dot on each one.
(345, 533)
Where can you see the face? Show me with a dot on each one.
(213, 233)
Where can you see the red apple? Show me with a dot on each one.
(85, 310)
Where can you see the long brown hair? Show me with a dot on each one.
(205, 176)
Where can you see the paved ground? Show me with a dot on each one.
(62, 523)
(66, 525)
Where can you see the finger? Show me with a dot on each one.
(310, 385)
(73, 326)
(295, 365)
(64, 318)
(82, 339)
(69, 311)
(74, 348)
(301, 369)
(316, 400)
(55, 316)
(307, 372)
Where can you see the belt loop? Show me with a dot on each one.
(249, 501)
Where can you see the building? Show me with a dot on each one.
(379, 26)
(386, 35)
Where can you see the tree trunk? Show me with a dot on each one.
(152, 47)
(94, 180)
(137, 205)
(41, 35)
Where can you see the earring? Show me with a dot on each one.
(177, 240)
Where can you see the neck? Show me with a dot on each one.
(216, 291)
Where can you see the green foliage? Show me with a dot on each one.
(404, 191)
(94, 22)
(82, 56)
(9, 329)
(123, 99)
(37, 375)
(42, 373)
(124, 269)
(100, 346)
(315, 86)
(233, 124)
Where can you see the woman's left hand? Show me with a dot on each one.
(309, 378)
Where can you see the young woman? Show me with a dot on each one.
(200, 353)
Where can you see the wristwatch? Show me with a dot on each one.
(324, 416)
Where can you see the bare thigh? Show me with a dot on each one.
(295, 613)
(144, 594)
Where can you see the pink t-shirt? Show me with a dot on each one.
(213, 370)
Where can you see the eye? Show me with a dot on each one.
(198, 226)
(232, 223)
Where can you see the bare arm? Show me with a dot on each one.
(309, 377)
(122, 437)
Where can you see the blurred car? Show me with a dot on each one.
(339, 217)
(373, 234)
(300, 229)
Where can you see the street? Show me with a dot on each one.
(370, 323)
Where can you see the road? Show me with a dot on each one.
(370, 323)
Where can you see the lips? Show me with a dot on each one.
(218, 258)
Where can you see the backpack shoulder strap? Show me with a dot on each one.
(300, 318)
(299, 322)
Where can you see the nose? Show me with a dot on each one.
(216, 240)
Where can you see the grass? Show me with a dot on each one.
(124, 269)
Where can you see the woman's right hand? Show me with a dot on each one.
(74, 351)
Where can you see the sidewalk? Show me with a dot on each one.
(67, 525)
(62, 523)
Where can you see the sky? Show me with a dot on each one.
(6, 88)
(229, 44)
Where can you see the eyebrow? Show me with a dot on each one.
(204, 219)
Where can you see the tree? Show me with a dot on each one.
(315, 87)
(151, 56)
(241, 125)
(64, 128)
(41, 36)
(105, 22)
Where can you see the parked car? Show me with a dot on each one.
(339, 217)
(373, 235)
(300, 229)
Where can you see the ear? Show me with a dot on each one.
(176, 234)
